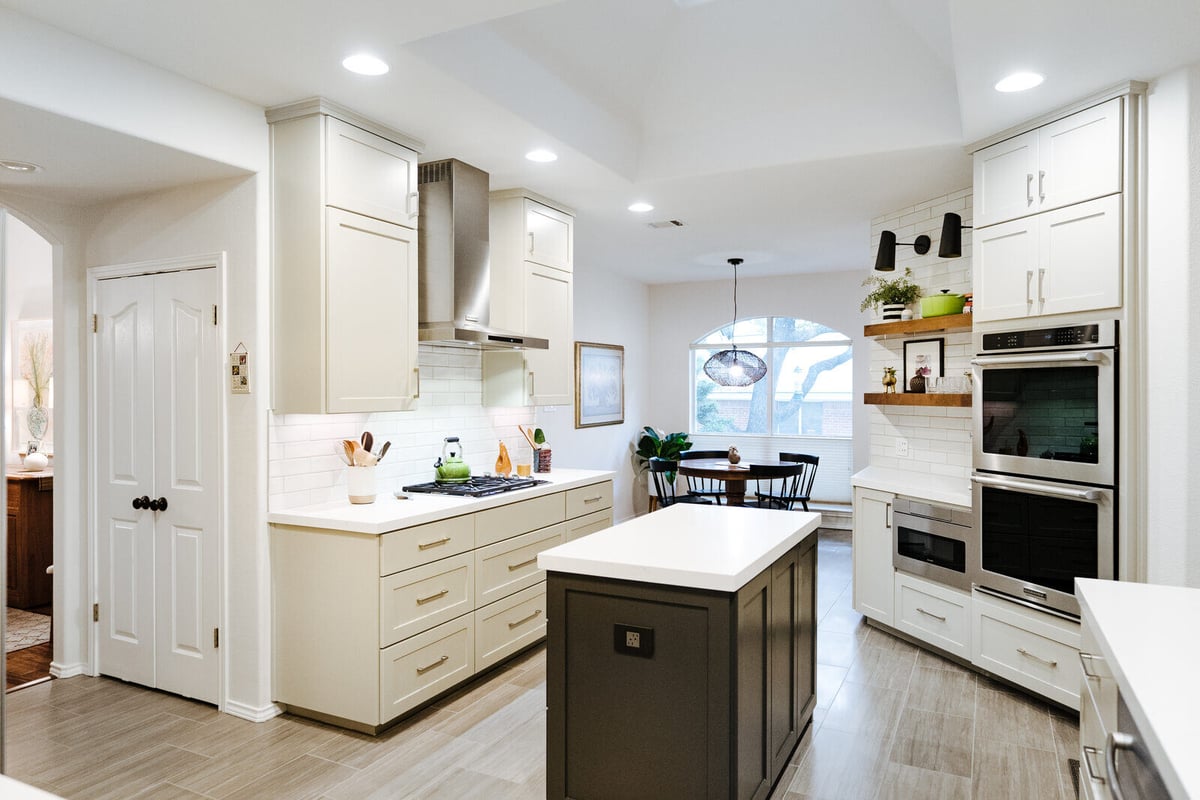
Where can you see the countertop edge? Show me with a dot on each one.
(923, 486)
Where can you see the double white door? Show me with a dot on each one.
(157, 390)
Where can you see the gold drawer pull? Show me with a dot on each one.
(525, 563)
(938, 617)
(423, 600)
(523, 620)
(591, 499)
(1048, 662)
(438, 663)
(434, 543)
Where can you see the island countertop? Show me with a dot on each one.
(692, 546)
(388, 513)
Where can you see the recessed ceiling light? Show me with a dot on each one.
(641, 208)
(1019, 82)
(541, 156)
(20, 166)
(365, 64)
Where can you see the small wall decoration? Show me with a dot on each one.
(599, 384)
(922, 360)
(32, 395)
(239, 370)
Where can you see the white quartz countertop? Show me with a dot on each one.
(693, 546)
(921, 485)
(12, 789)
(1148, 636)
(389, 514)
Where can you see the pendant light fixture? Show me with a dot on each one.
(734, 367)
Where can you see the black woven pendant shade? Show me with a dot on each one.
(735, 367)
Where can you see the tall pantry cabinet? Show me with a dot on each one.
(344, 210)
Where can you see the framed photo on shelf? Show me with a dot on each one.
(922, 357)
(599, 384)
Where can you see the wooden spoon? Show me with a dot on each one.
(368, 441)
(348, 447)
(528, 433)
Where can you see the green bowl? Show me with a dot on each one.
(940, 305)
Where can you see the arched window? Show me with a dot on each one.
(806, 391)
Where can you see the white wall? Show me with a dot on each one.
(938, 438)
(1172, 357)
(681, 312)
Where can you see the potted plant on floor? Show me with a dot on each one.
(890, 296)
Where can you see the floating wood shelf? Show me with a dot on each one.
(909, 399)
(950, 322)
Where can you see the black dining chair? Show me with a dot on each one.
(804, 489)
(663, 470)
(705, 487)
(776, 485)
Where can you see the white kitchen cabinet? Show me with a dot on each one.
(1097, 714)
(533, 294)
(871, 547)
(344, 262)
(1063, 261)
(1071, 160)
(934, 613)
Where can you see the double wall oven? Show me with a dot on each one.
(1045, 422)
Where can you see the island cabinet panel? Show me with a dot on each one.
(719, 687)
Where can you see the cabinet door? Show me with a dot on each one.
(872, 554)
(1004, 180)
(1079, 157)
(784, 645)
(548, 298)
(548, 236)
(1080, 257)
(370, 175)
(1005, 260)
(370, 314)
(753, 689)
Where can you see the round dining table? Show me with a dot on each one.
(734, 475)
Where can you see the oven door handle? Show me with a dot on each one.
(1039, 358)
(1090, 495)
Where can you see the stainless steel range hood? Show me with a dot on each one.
(454, 276)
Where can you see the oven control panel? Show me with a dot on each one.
(1049, 338)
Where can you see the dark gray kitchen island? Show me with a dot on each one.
(681, 654)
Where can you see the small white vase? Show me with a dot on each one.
(892, 311)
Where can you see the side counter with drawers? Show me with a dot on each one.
(376, 615)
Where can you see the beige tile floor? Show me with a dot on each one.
(892, 721)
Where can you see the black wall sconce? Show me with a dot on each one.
(951, 244)
(885, 260)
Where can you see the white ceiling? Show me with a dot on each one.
(776, 129)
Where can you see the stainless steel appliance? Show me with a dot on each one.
(1045, 403)
(932, 541)
(475, 486)
(1045, 459)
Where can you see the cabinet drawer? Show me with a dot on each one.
(507, 521)
(587, 499)
(505, 567)
(934, 613)
(1036, 650)
(424, 543)
(425, 665)
(370, 175)
(589, 523)
(548, 236)
(417, 599)
(506, 626)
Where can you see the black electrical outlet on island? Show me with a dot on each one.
(633, 641)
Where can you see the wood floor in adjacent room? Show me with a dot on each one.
(892, 721)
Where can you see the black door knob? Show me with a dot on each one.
(158, 505)
(141, 502)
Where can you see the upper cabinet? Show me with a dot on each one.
(344, 262)
(1069, 161)
(532, 294)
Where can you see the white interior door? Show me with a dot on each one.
(158, 382)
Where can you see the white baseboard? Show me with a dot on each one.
(68, 670)
(252, 713)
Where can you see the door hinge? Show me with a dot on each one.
(214, 315)
(216, 638)
(95, 323)
(95, 612)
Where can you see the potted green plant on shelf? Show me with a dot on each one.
(890, 296)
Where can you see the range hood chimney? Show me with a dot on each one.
(454, 274)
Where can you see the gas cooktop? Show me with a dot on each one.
(476, 486)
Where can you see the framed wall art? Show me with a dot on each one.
(599, 384)
(922, 358)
